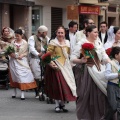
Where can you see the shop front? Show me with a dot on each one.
(88, 12)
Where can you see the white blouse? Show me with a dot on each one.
(98, 48)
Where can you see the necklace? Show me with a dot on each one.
(18, 45)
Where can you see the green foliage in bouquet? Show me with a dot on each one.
(46, 58)
(45, 47)
(9, 50)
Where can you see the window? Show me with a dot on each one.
(56, 18)
(36, 18)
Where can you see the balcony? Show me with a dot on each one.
(114, 2)
(92, 1)
(88, 1)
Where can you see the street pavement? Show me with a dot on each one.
(30, 108)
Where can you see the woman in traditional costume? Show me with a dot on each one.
(59, 78)
(21, 74)
(113, 37)
(116, 31)
(89, 75)
(7, 35)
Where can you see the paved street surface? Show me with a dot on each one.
(30, 108)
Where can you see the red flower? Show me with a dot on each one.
(46, 58)
(48, 54)
(88, 46)
(108, 51)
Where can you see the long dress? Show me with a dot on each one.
(21, 74)
(60, 85)
(91, 102)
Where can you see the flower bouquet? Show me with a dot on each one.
(86, 51)
(86, 48)
(9, 50)
(46, 58)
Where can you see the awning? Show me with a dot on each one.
(18, 2)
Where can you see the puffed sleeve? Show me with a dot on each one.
(25, 51)
(50, 48)
(105, 56)
(101, 51)
(76, 52)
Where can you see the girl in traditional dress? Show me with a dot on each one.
(90, 80)
(21, 74)
(59, 78)
(112, 73)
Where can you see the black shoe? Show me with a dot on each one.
(57, 109)
(36, 92)
(13, 96)
(62, 107)
(22, 98)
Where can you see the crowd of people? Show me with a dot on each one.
(84, 72)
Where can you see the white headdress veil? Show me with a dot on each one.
(111, 38)
(12, 32)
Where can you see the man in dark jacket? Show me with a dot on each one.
(103, 32)
(70, 33)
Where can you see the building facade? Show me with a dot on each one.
(51, 13)
(95, 9)
(30, 14)
(15, 14)
(113, 13)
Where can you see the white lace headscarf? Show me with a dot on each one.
(111, 35)
(111, 38)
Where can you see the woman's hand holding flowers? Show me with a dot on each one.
(53, 65)
(20, 57)
(12, 55)
(83, 60)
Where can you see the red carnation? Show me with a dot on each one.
(48, 54)
(108, 51)
(88, 46)
(46, 58)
